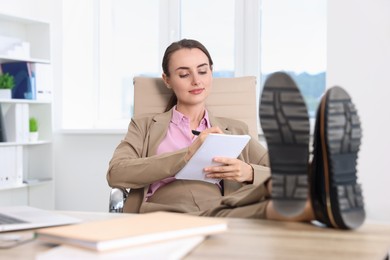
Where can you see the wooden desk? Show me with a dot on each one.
(262, 239)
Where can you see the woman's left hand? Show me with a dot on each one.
(230, 169)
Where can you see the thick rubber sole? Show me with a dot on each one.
(341, 134)
(285, 123)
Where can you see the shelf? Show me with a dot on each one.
(15, 186)
(34, 182)
(23, 39)
(39, 142)
(25, 184)
(21, 20)
(24, 101)
(17, 30)
(5, 59)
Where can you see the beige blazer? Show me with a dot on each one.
(135, 164)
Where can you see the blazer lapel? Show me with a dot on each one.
(158, 131)
(214, 121)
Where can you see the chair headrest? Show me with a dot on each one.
(230, 97)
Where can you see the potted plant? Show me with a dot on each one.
(33, 126)
(6, 84)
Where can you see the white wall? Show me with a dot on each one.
(359, 61)
(81, 163)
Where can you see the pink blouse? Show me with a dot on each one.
(178, 136)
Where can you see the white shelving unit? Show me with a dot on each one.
(37, 187)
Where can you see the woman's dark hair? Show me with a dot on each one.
(175, 46)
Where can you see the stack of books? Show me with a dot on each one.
(146, 235)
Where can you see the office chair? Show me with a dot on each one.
(230, 97)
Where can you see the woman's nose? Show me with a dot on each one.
(195, 81)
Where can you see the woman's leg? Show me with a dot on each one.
(306, 215)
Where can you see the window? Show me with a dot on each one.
(78, 92)
(128, 47)
(108, 42)
(104, 48)
(293, 39)
(214, 27)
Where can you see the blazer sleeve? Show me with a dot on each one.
(131, 167)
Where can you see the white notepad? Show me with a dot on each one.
(170, 250)
(215, 145)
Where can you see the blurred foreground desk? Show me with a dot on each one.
(261, 239)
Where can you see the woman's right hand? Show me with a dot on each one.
(199, 141)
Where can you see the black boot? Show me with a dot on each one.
(285, 123)
(336, 196)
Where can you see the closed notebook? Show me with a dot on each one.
(132, 230)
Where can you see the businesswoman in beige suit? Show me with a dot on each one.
(157, 146)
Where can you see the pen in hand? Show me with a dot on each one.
(194, 132)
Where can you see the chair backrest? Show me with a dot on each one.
(230, 97)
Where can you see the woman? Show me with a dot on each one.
(157, 146)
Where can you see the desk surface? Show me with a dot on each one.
(262, 239)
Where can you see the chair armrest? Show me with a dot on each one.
(118, 197)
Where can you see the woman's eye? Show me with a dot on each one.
(203, 72)
(183, 75)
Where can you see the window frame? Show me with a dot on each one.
(247, 51)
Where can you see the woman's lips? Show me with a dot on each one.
(197, 91)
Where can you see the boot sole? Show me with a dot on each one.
(340, 133)
(285, 123)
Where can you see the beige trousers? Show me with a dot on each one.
(205, 199)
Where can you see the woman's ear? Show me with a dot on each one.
(166, 80)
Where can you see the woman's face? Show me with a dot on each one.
(190, 76)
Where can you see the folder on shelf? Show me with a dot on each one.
(132, 230)
(17, 127)
(11, 161)
(3, 137)
(43, 81)
(24, 79)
